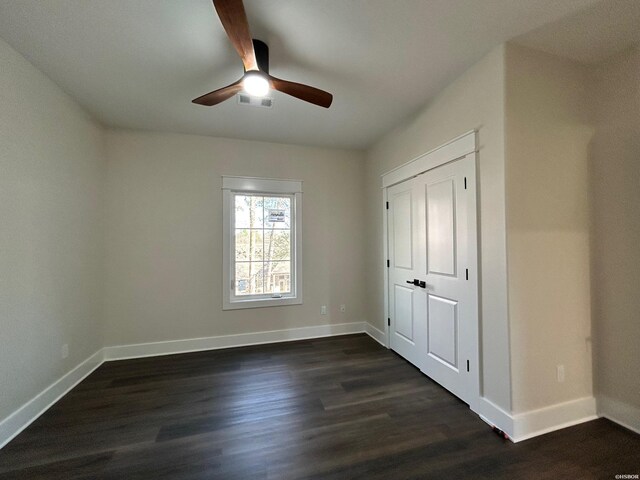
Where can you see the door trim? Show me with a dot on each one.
(452, 150)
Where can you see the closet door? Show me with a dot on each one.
(406, 299)
(433, 303)
(445, 199)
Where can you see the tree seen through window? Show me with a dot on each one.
(263, 249)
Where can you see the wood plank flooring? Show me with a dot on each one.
(335, 408)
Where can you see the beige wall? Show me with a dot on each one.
(164, 235)
(615, 174)
(473, 101)
(52, 172)
(548, 133)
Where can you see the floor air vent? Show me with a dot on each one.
(265, 102)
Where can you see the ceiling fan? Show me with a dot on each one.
(256, 80)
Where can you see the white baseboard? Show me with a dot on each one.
(122, 352)
(554, 417)
(523, 426)
(619, 412)
(493, 415)
(15, 423)
(375, 333)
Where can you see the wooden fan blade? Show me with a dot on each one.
(234, 21)
(303, 92)
(220, 95)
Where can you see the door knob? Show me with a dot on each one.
(417, 283)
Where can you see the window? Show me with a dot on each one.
(262, 254)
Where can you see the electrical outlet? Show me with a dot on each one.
(343, 308)
(560, 373)
(323, 310)
(65, 350)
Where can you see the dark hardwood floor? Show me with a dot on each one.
(337, 408)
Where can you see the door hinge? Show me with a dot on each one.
(387, 205)
(467, 273)
(389, 322)
(388, 263)
(465, 183)
(467, 365)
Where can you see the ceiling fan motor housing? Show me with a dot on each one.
(262, 55)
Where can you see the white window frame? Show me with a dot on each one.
(262, 186)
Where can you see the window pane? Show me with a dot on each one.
(257, 211)
(277, 277)
(277, 245)
(243, 203)
(249, 211)
(248, 245)
(277, 212)
(262, 235)
(249, 278)
(242, 244)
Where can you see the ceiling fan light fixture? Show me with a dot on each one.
(257, 81)
(256, 84)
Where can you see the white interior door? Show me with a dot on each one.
(446, 198)
(406, 300)
(443, 322)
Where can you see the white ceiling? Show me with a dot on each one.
(139, 63)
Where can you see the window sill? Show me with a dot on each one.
(261, 302)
